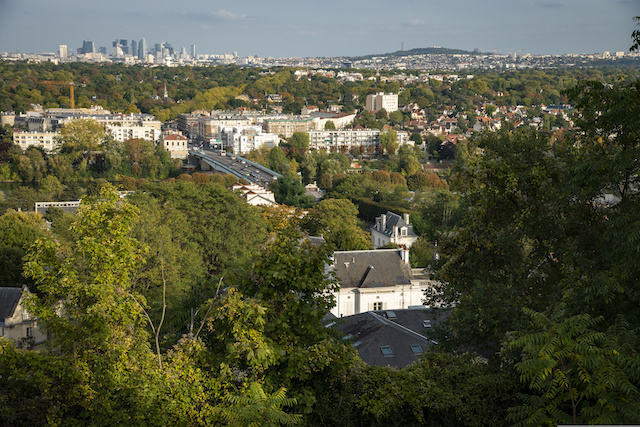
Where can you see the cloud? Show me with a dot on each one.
(417, 23)
(218, 15)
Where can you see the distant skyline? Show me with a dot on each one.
(288, 28)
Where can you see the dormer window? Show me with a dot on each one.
(403, 231)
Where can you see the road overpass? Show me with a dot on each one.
(237, 166)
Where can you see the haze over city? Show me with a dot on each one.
(331, 28)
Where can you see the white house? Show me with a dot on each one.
(376, 280)
(255, 195)
(393, 228)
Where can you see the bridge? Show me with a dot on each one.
(237, 166)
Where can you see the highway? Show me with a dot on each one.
(236, 165)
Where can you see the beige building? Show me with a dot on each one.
(176, 144)
(46, 140)
(209, 126)
(286, 127)
(16, 323)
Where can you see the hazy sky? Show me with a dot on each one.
(323, 28)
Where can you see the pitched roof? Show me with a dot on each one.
(400, 332)
(9, 299)
(371, 269)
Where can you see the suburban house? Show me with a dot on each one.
(255, 195)
(391, 337)
(393, 228)
(377, 280)
(15, 321)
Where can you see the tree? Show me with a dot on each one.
(580, 375)
(277, 160)
(299, 141)
(416, 138)
(389, 140)
(80, 138)
(336, 220)
(19, 230)
(226, 230)
(396, 117)
(502, 258)
(258, 408)
(329, 125)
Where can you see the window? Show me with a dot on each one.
(386, 351)
(416, 349)
(426, 323)
(377, 306)
(29, 332)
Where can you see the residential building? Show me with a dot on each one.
(175, 143)
(287, 126)
(339, 120)
(380, 100)
(336, 140)
(46, 140)
(63, 51)
(393, 228)
(391, 337)
(16, 323)
(242, 139)
(209, 126)
(377, 280)
(255, 195)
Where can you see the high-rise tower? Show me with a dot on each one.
(88, 47)
(142, 48)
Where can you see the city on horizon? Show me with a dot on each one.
(282, 31)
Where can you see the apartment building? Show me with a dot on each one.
(242, 139)
(287, 126)
(45, 140)
(380, 100)
(176, 144)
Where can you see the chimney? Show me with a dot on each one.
(395, 231)
(406, 218)
(384, 222)
(404, 254)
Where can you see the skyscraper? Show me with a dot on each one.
(88, 47)
(142, 48)
(193, 51)
(134, 48)
(63, 51)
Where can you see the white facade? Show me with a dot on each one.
(255, 195)
(392, 228)
(325, 139)
(376, 280)
(243, 139)
(380, 100)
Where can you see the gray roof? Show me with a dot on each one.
(402, 331)
(393, 219)
(9, 299)
(371, 269)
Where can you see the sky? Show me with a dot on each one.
(301, 28)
